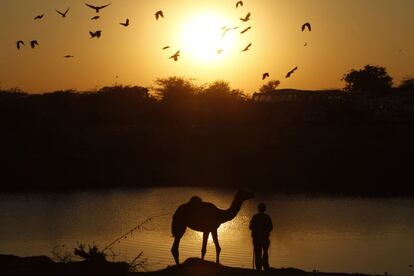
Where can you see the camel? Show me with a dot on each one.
(203, 217)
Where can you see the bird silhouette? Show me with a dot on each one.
(291, 72)
(306, 44)
(33, 43)
(95, 17)
(307, 25)
(68, 56)
(38, 17)
(175, 56)
(159, 14)
(18, 43)
(247, 47)
(219, 51)
(126, 24)
(97, 8)
(165, 47)
(246, 18)
(240, 3)
(96, 34)
(63, 14)
(245, 30)
(225, 30)
(265, 75)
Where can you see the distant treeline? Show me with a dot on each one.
(183, 134)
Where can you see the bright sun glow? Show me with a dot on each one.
(203, 40)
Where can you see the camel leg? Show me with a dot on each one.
(204, 248)
(174, 249)
(216, 243)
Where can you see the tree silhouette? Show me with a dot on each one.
(270, 86)
(372, 80)
(219, 92)
(407, 85)
(130, 90)
(175, 89)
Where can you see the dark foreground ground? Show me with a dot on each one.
(41, 265)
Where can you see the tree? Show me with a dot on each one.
(120, 89)
(270, 86)
(373, 80)
(175, 89)
(407, 85)
(220, 91)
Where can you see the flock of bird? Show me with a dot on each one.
(265, 75)
(159, 14)
(289, 74)
(96, 34)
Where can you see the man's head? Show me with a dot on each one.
(261, 207)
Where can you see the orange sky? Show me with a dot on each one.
(346, 34)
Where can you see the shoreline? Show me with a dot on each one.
(42, 265)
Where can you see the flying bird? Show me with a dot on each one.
(306, 44)
(33, 43)
(18, 43)
(165, 47)
(95, 17)
(219, 51)
(68, 56)
(126, 24)
(246, 18)
(38, 17)
(225, 30)
(291, 72)
(240, 3)
(245, 30)
(175, 56)
(265, 75)
(247, 47)
(97, 8)
(306, 25)
(96, 34)
(63, 14)
(159, 14)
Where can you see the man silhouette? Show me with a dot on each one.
(261, 226)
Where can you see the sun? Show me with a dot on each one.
(202, 37)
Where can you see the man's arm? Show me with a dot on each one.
(270, 223)
(252, 222)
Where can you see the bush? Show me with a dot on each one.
(373, 80)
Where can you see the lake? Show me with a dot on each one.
(322, 233)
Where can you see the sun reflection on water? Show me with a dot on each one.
(328, 234)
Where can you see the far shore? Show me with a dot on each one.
(42, 265)
(120, 137)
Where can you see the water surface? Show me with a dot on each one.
(326, 234)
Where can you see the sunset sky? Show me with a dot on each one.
(346, 34)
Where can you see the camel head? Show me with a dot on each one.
(243, 195)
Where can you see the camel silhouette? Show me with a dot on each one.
(203, 217)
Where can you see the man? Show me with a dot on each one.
(261, 226)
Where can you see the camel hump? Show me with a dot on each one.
(195, 200)
(189, 212)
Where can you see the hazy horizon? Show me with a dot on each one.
(345, 35)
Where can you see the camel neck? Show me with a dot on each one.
(231, 212)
